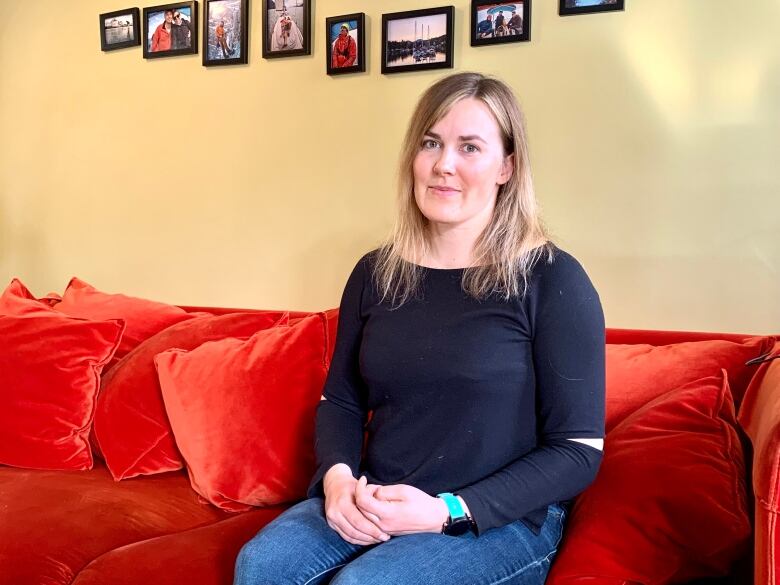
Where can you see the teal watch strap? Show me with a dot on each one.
(453, 505)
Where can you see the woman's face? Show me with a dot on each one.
(460, 166)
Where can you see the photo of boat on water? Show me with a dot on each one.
(420, 39)
(416, 40)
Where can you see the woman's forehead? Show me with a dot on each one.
(468, 116)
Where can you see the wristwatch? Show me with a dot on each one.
(459, 522)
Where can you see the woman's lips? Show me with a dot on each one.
(444, 190)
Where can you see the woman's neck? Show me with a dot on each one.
(450, 248)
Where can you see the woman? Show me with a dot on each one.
(478, 346)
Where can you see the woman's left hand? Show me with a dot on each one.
(400, 509)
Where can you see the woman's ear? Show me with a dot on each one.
(507, 168)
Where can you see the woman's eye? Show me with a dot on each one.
(470, 148)
(428, 144)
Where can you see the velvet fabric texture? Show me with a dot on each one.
(132, 430)
(760, 417)
(669, 502)
(50, 368)
(242, 412)
(204, 555)
(143, 317)
(53, 523)
(638, 373)
(18, 300)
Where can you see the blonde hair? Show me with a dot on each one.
(509, 246)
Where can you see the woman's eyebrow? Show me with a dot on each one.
(468, 138)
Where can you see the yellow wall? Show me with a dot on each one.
(655, 135)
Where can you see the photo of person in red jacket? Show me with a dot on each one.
(346, 43)
(344, 48)
(162, 37)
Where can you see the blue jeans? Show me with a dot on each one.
(299, 548)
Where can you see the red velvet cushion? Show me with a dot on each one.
(50, 368)
(669, 502)
(54, 523)
(242, 412)
(131, 427)
(18, 300)
(205, 555)
(143, 318)
(760, 417)
(638, 373)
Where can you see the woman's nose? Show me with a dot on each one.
(445, 164)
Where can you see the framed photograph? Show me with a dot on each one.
(225, 32)
(286, 28)
(417, 40)
(568, 7)
(493, 23)
(120, 29)
(346, 43)
(170, 30)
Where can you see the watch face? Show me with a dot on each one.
(460, 526)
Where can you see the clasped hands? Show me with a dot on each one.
(366, 514)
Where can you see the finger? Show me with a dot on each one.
(350, 535)
(373, 517)
(366, 503)
(364, 526)
(360, 486)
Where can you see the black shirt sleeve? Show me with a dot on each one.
(341, 416)
(568, 359)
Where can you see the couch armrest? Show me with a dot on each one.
(760, 417)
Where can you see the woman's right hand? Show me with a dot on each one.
(342, 514)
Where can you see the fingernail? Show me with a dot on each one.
(385, 537)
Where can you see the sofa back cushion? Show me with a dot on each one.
(242, 412)
(50, 367)
(132, 432)
(669, 503)
(143, 317)
(18, 300)
(638, 373)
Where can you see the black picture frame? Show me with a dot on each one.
(115, 25)
(356, 23)
(231, 47)
(407, 49)
(503, 33)
(569, 7)
(300, 32)
(152, 19)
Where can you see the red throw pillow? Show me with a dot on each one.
(242, 412)
(50, 368)
(132, 430)
(18, 300)
(638, 373)
(143, 317)
(669, 503)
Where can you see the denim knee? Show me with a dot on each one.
(351, 576)
(248, 566)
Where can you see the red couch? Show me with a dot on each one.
(83, 528)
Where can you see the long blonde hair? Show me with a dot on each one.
(509, 245)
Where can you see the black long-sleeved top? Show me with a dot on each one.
(468, 396)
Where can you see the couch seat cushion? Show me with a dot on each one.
(55, 522)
